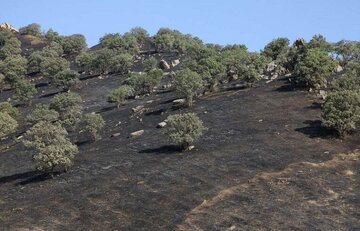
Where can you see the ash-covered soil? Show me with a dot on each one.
(244, 173)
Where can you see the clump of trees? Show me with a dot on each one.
(184, 129)
(31, 29)
(9, 44)
(24, 91)
(144, 83)
(314, 67)
(65, 79)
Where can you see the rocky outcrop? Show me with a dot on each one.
(164, 65)
(7, 26)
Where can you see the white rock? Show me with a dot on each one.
(137, 133)
(161, 124)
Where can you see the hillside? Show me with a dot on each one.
(265, 162)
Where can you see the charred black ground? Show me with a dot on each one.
(257, 138)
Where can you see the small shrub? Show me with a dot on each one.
(276, 48)
(349, 81)
(50, 66)
(9, 44)
(341, 111)
(24, 91)
(6, 107)
(13, 67)
(184, 129)
(93, 123)
(144, 83)
(120, 94)
(66, 79)
(52, 146)
(68, 105)
(149, 63)
(42, 112)
(188, 82)
(8, 124)
(73, 44)
(2, 82)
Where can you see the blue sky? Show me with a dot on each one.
(250, 22)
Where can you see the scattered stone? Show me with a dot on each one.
(138, 108)
(191, 147)
(161, 125)
(260, 120)
(179, 101)
(339, 69)
(322, 94)
(164, 65)
(175, 62)
(136, 134)
(115, 134)
(149, 101)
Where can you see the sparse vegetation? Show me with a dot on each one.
(120, 94)
(184, 129)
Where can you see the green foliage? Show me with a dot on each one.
(172, 40)
(24, 91)
(73, 44)
(52, 146)
(347, 51)
(144, 83)
(120, 94)
(42, 112)
(8, 124)
(184, 129)
(52, 65)
(93, 123)
(319, 42)
(348, 81)
(105, 61)
(66, 79)
(68, 105)
(209, 68)
(149, 63)
(13, 67)
(188, 82)
(341, 111)
(9, 44)
(140, 34)
(85, 61)
(247, 66)
(52, 36)
(2, 82)
(53, 49)
(276, 48)
(6, 107)
(314, 67)
(127, 43)
(31, 29)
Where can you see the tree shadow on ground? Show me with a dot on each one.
(26, 177)
(165, 149)
(314, 129)
(314, 106)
